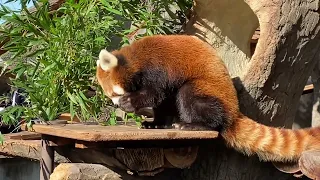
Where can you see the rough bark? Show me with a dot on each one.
(270, 84)
(285, 55)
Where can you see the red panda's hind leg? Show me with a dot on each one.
(199, 112)
(164, 115)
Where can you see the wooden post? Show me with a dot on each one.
(47, 160)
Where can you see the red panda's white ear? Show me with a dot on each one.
(106, 60)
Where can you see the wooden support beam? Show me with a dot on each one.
(86, 144)
(58, 141)
(47, 160)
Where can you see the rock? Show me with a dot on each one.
(120, 114)
(79, 171)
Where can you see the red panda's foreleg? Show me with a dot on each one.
(164, 107)
(146, 97)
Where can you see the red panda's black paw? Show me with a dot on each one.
(125, 104)
(147, 125)
(190, 126)
(151, 125)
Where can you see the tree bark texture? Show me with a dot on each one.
(228, 27)
(270, 84)
(284, 58)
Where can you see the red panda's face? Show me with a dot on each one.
(108, 77)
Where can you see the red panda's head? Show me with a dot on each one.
(110, 76)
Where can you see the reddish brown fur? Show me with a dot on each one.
(188, 57)
(278, 145)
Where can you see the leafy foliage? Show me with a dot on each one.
(1, 138)
(53, 54)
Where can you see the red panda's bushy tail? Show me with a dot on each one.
(270, 143)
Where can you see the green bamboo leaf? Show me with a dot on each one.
(5, 9)
(20, 51)
(81, 103)
(62, 9)
(9, 1)
(12, 117)
(91, 6)
(49, 67)
(5, 118)
(34, 30)
(72, 111)
(1, 138)
(48, 112)
(100, 39)
(72, 98)
(29, 124)
(83, 96)
(113, 11)
(105, 3)
(35, 70)
(36, 53)
(20, 111)
(20, 72)
(36, 42)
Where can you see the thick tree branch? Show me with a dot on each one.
(228, 26)
(284, 58)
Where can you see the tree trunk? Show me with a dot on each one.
(271, 83)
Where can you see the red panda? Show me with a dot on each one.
(182, 76)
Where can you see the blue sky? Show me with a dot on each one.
(13, 5)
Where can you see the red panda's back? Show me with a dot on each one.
(179, 54)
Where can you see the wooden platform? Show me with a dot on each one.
(95, 133)
(88, 137)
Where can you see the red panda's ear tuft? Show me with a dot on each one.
(106, 60)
